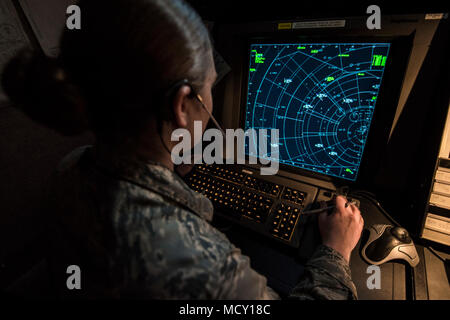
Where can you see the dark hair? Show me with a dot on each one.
(112, 75)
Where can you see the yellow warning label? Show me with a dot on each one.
(284, 25)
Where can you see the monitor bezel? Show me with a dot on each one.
(385, 108)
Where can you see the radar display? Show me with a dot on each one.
(321, 97)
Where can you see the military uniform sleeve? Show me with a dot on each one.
(242, 282)
(327, 277)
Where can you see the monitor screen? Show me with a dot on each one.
(321, 97)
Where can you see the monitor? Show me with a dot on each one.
(321, 97)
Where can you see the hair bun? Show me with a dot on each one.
(40, 87)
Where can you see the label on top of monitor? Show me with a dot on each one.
(321, 97)
(318, 24)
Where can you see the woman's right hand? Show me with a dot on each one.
(341, 229)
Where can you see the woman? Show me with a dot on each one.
(136, 71)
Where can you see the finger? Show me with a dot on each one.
(353, 207)
(340, 204)
(355, 212)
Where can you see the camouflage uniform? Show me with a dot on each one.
(137, 230)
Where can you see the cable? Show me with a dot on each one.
(370, 196)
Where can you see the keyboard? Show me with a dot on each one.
(242, 196)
